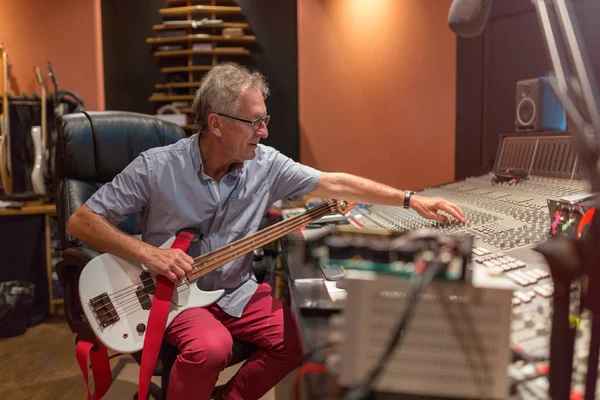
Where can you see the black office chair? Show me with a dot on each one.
(92, 148)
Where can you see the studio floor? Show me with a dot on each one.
(41, 365)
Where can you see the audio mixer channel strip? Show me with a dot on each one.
(507, 221)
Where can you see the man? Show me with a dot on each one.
(221, 181)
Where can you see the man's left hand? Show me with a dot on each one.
(428, 207)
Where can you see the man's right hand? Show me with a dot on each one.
(172, 263)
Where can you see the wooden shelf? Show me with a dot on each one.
(177, 85)
(189, 68)
(201, 37)
(199, 25)
(57, 301)
(173, 11)
(171, 97)
(29, 208)
(192, 31)
(225, 51)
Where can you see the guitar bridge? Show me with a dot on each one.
(143, 292)
(104, 310)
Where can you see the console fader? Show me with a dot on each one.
(507, 220)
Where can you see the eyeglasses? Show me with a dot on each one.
(255, 123)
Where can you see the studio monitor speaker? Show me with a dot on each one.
(538, 108)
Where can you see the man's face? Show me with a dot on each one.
(239, 138)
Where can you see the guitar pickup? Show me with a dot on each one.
(143, 292)
(143, 298)
(149, 284)
(104, 310)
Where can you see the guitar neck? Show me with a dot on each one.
(214, 259)
(44, 118)
(38, 75)
(5, 164)
(5, 127)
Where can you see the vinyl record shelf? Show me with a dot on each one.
(194, 36)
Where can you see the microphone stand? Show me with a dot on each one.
(572, 260)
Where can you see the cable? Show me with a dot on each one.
(300, 372)
(430, 271)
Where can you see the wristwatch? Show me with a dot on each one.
(407, 194)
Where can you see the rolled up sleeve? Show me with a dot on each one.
(128, 193)
(291, 180)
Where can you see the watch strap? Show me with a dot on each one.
(407, 196)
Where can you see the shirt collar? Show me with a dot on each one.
(235, 170)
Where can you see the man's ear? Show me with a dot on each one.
(214, 124)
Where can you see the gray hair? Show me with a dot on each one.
(220, 90)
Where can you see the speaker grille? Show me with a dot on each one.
(526, 112)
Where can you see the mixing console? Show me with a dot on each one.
(507, 220)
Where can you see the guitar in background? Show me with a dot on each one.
(39, 136)
(63, 102)
(5, 173)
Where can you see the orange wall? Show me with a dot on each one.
(377, 89)
(67, 33)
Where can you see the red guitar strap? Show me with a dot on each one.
(100, 366)
(158, 320)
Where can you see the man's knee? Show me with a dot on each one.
(213, 353)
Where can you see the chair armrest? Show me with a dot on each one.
(68, 271)
(79, 256)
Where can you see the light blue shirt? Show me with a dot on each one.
(168, 186)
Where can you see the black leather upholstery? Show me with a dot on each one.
(92, 148)
(68, 271)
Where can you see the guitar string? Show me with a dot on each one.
(133, 310)
(264, 231)
(131, 295)
(132, 300)
(134, 307)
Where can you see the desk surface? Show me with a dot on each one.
(30, 208)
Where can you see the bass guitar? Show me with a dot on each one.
(116, 293)
(39, 136)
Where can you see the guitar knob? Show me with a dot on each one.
(141, 328)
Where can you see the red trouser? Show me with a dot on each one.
(204, 338)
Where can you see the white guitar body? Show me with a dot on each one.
(118, 323)
(38, 172)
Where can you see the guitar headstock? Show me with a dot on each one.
(38, 76)
(341, 206)
(52, 76)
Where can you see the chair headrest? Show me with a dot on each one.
(95, 146)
